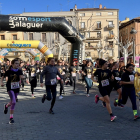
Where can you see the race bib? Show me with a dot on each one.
(14, 85)
(105, 82)
(89, 75)
(63, 73)
(118, 78)
(131, 77)
(53, 81)
(38, 71)
(73, 74)
(32, 74)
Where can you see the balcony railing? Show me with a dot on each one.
(98, 37)
(110, 36)
(111, 26)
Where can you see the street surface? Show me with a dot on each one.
(76, 117)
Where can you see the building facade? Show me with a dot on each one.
(125, 36)
(99, 26)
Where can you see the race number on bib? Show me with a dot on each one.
(73, 74)
(131, 77)
(14, 85)
(53, 81)
(32, 74)
(118, 78)
(105, 82)
(89, 75)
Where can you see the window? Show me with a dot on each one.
(98, 14)
(88, 34)
(57, 38)
(2, 37)
(98, 34)
(110, 53)
(98, 24)
(110, 13)
(82, 14)
(82, 24)
(44, 37)
(111, 32)
(30, 36)
(110, 43)
(110, 22)
(14, 37)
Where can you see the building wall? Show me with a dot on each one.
(90, 19)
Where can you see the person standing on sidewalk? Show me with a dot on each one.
(13, 77)
(50, 72)
(104, 77)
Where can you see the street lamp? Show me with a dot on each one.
(133, 32)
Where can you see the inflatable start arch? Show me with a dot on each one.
(43, 24)
(10, 44)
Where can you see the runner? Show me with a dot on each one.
(13, 76)
(32, 76)
(72, 71)
(50, 72)
(88, 71)
(115, 83)
(104, 76)
(60, 69)
(128, 89)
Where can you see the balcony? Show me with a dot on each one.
(110, 36)
(98, 37)
(89, 47)
(82, 29)
(111, 26)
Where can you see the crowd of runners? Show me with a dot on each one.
(110, 75)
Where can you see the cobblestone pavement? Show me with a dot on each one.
(76, 117)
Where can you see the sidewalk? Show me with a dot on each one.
(76, 117)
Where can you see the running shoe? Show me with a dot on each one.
(87, 95)
(43, 98)
(74, 92)
(22, 89)
(11, 121)
(103, 104)
(5, 109)
(60, 97)
(121, 105)
(96, 98)
(113, 118)
(33, 96)
(115, 103)
(136, 117)
(51, 111)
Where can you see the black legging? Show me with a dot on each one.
(51, 89)
(73, 82)
(61, 87)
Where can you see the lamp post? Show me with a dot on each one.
(133, 32)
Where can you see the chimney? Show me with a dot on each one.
(75, 7)
(100, 6)
(104, 7)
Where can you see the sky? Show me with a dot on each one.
(127, 8)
